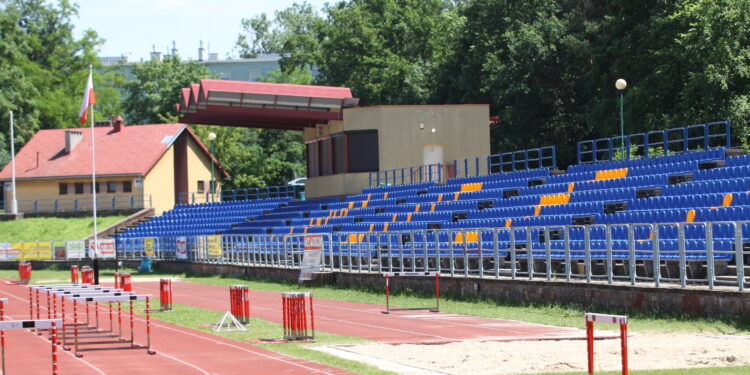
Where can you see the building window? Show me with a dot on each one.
(201, 187)
(97, 186)
(79, 187)
(111, 187)
(63, 188)
(349, 152)
(127, 187)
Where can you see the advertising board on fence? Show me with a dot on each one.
(312, 257)
(181, 248)
(105, 249)
(75, 249)
(214, 246)
(149, 245)
(26, 250)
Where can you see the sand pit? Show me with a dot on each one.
(647, 351)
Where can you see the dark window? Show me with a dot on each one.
(98, 184)
(363, 151)
(127, 187)
(313, 163)
(111, 187)
(201, 187)
(339, 154)
(326, 157)
(63, 188)
(79, 187)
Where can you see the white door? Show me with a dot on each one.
(432, 155)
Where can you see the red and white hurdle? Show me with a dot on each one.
(294, 309)
(48, 324)
(622, 320)
(165, 295)
(389, 275)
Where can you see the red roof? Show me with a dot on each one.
(262, 104)
(132, 151)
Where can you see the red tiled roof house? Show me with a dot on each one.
(138, 166)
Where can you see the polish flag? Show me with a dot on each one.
(88, 100)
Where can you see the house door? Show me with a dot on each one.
(432, 156)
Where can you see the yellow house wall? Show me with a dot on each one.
(159, 183)
(199, 169)
(47, 190)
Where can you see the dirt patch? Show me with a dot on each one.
(646, 351)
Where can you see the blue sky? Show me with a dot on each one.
(132, 27)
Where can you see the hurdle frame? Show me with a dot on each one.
(294, 316)
(622, 320)
(38, 324)
(389, 275)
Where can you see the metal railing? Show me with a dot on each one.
(103, 202)
(694, 254)
(656, 143)
(281, 191)
(544, 157)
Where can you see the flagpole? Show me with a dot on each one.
(13, 202)
(93, 189)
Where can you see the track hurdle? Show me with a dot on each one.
(119, 299)
(74, 274)
(239, 301)
(165, 295)
(294, 309)
(622, 320)
(50, 324)
(389, 275)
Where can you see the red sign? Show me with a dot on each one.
(314, 242)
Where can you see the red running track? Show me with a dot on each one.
(179, 351)
(366, 320)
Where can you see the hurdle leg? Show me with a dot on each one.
(590, 345)
(64, 334)
(148, 327)
(312, 317)
(96, 313)
(132, 325)
(38, 316)
(624, 347)
(111, 324)
(53, 337)
(387, 296)
(2, 348)
(437, 291)
(75, 328)
(119, 320)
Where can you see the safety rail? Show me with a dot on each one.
(685, 254)
(656, 143)
(103, 202)
(281, 191)
(521, 160)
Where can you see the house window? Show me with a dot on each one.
(79, 187)
(127, 187)
(111, 187)
(201, 187)
(97, 186)
(63, 188)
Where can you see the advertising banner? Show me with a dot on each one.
(149, 245)
(75, 249)
(181, 248)
(214, 246)
(105, 248)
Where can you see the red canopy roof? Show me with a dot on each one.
(262, 104)
(132, 151)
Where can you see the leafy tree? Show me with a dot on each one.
(42, 65)
(151, 95)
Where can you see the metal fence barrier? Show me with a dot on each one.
(685, 254)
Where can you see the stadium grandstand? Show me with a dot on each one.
(664, 206)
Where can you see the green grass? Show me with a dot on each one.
(193, 317)
(52, 228)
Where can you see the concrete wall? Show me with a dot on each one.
(159, 183)
(602, 297)
(462, 131)
(46, 190)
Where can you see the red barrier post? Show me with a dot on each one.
(74, 274)
(126, 283)
(622, 320)
(165, 287)
(117, 280)
(53, 338)
(590, 345)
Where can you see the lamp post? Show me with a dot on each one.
(212, 138)
(620, 84)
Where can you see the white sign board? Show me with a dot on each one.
(181, 248)
(105, 249)
(312, 257)
(75, 249)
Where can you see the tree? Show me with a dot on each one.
(151, 95)
(42, 65)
